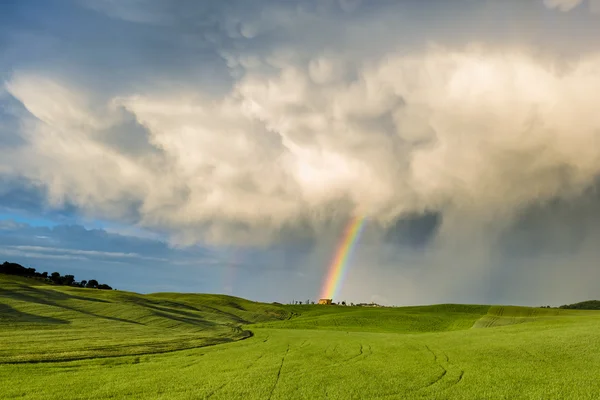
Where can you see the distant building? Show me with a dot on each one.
(369, 305)
(325, 301)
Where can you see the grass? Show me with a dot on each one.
(96, 344)
(43, 322)
(445, 317)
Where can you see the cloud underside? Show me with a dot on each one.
(475, 134)
(568, 5)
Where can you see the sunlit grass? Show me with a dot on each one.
(296, 352)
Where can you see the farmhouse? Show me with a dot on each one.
(369, 305)
(325, 301)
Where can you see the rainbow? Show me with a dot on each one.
(339, 264)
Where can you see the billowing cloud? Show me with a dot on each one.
(568, 5)
(562, 5)
(480, 133)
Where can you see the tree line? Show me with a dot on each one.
(9, 268)
(584, 305)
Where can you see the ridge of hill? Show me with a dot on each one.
(416, 319)
(9, 268)
(62, 342)
(511, 315)
(583, 305)
(45, 322)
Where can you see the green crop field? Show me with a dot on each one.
(60, 342)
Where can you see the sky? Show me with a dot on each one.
(224, 146)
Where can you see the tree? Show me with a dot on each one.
(104, 286)
(17, 269)
(55, 277)
(92, 284)
(68, 280)
(344, 302)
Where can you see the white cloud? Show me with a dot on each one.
(562, 5)
(479, 133)
(93, 253)
(568, 5)
(20, 253)
(77, 254)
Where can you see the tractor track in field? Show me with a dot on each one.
(451, 376)
(103, 357)
(279, 372)
(436, 360)
(331, 355)
(255, 361)
(360, 353)
(211, 394)
(249, 366)
(75, 359)
(364, 351)
(448, 369)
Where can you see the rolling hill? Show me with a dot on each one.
(50, 322)
(69, 343)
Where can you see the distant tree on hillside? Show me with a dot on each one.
(55, 277)
(68, 280)
(104, 286)
(92, 284)
(344, 302)
(17, 269)
(584, 305)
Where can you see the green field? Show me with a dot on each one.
(59, 342)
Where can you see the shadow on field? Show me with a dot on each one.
(146, 302)
(50, 298)
(196, 321)
(57, 295)
(183, 311)
(187, 317)
(12, 315)
(236, 318)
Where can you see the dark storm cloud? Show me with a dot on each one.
(415, 230)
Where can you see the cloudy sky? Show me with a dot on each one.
(223, 146)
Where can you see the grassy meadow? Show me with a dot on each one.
(59, 342)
